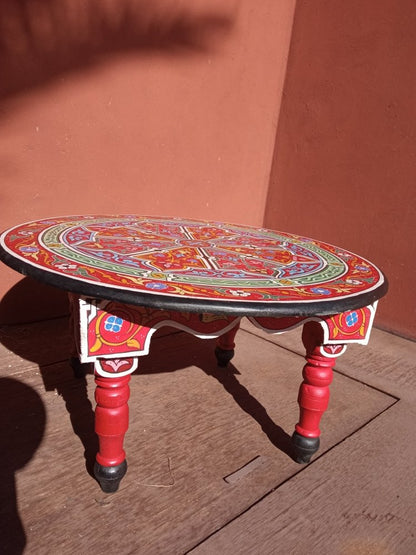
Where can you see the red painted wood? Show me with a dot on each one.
(199, 261)
(116, 328)
(111, 418)
(226, 341)
(317, 376)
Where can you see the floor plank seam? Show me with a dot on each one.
(259, 336)
(362, 382)
(360, 427)
(272, 490)
(336, 370)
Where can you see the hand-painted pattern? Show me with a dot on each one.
(352, 326)
(187, 258)
(116, 330)
(120, 333)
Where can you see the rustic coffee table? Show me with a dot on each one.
(130, 275)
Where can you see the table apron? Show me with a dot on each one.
(113, 335)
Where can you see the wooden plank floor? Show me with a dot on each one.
(359, 498)
(207, 448)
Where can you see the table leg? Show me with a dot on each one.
(111, 424)
(313, 393)
(224, 350)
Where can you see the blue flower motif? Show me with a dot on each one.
(321, 291)
(113, 324)
(351, 319)
(156, 286)
(29, 249)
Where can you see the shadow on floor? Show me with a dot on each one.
(200, 353)
(22, 425)
(192, 352)
(48, 345)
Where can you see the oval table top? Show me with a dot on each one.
(189, 265)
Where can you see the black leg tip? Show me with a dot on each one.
(304, 447)
(109, 477)
(223, 356)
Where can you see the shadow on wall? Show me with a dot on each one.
(42, 39)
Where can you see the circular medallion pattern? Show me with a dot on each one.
(191, 259)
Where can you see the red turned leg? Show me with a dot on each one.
(313, 393)
(111, 423)
(225, 346)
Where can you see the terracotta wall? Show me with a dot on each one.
(112, 106)
(344, 167)
(171, 107)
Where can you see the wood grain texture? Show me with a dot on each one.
(359, 498)
(191, 425)
(387, 362)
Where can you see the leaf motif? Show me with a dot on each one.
(133, 343)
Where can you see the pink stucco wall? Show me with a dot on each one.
(344, 167)
(185, 108)
(163, 108)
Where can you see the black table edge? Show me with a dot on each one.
(182, 304)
